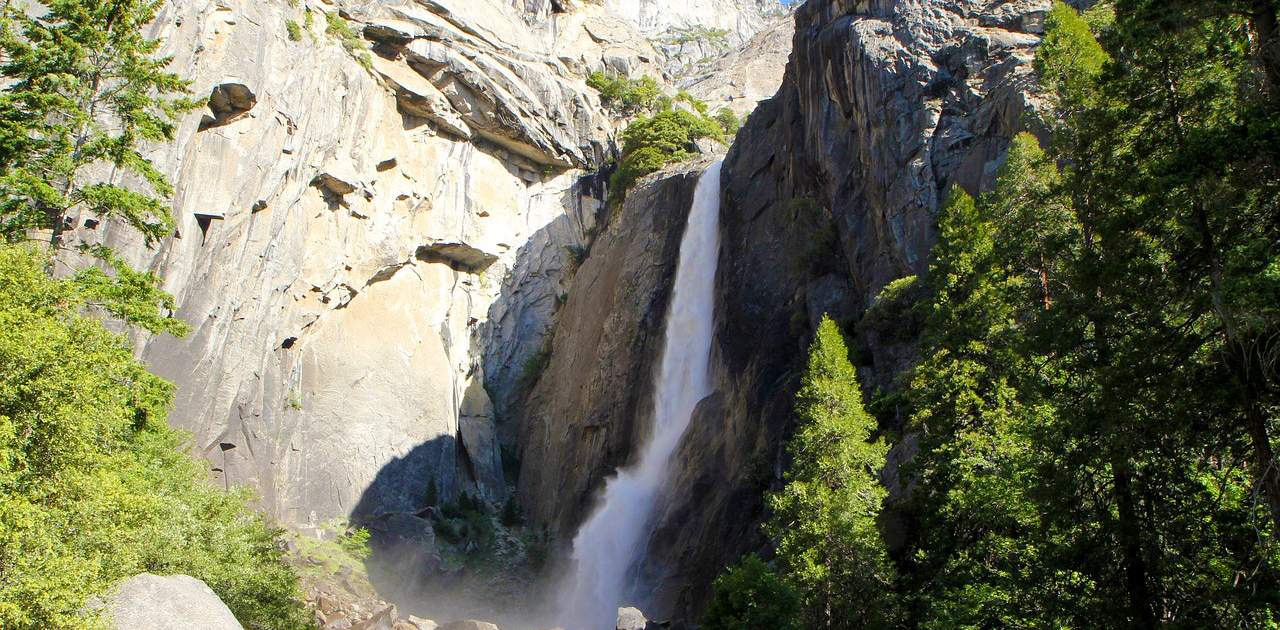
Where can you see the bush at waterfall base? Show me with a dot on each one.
(751, 595)
(355, 542)
(94, 486)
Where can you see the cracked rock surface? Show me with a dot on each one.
(371, 238)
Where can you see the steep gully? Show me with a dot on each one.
(609, 542)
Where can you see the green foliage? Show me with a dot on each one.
(356, 543)
(294, 29)
(93, 485)
(729, 121)
(718, 37)
(897, 313)
(433, 494)
(683, 96)
(466, 522)
(1069, 58)
(628, 96)
(83, 87)
(84, 91)
(577, 254)
(822, 255)
(511, 515)
(1096, 429)
(651, 143)
(665, 136)
(338, 28)
(537, 547)
(824, 519)
(534, 366)
(975, 454)
(750, 595)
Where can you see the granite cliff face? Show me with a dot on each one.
(747, 75)
(395, 253)
(829, 193)
(376, 217)
(696, 31)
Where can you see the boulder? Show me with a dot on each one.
(460, 256)
(422, 624)
(166, 602)
(335, 184)
(631, 619)
(469, 624)
(228, 102)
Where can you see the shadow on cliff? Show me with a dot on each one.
(517, 331)
(410, 564)
(394, 508)
(440, 556)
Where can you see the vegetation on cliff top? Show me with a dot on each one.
(665, 130)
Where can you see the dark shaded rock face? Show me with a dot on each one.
(591, 401)
(829, 193)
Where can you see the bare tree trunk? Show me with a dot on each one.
(1135, 567)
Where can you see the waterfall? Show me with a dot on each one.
(609, 542)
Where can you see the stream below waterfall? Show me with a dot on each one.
(610, 542)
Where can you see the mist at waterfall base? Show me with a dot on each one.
(610, 541)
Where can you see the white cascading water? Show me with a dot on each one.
(609, 542)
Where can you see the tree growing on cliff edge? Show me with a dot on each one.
(84, 91)
(824, 519)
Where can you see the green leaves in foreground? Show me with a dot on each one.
(94, 487)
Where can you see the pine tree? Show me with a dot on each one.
(824, 519)
(84, 91)
(979, 558)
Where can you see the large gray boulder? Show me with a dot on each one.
(167, 602)
(469, 624)
(631, 619)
